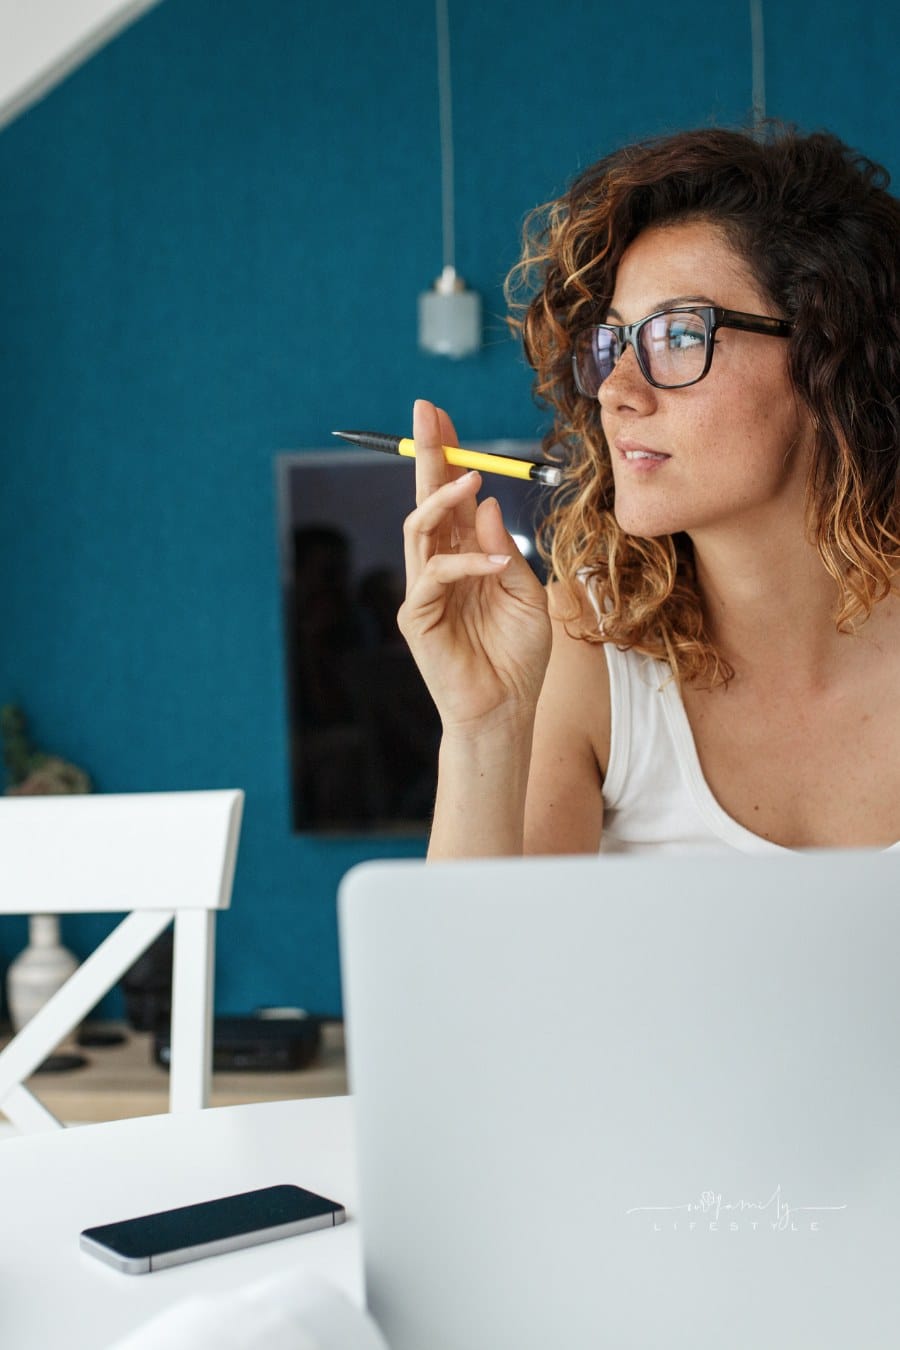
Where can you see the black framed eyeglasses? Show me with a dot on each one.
(673, 347)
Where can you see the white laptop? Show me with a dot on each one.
(633, 1102)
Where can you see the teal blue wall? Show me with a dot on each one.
(195, 230)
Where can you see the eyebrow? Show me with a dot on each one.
(669, 304)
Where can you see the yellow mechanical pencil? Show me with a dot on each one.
(548, 474)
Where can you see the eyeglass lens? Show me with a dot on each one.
(672, 349)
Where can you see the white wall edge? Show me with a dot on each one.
(46, 74)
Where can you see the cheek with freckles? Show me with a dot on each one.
(730, 457)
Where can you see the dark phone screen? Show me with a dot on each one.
(193, 1225)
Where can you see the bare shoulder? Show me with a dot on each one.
(564, 811)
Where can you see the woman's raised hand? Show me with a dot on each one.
(475, 615)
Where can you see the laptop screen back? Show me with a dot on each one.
(630, 1102)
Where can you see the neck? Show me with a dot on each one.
(770, 605)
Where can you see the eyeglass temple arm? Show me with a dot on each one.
(753, 323)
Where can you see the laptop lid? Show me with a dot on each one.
(630, 1102)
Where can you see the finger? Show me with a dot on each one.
(426, 531)
(444, 570)
(493, 537)
(432, 470)
(447, 429)
(464, 521)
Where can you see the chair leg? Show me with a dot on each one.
(192, 1009)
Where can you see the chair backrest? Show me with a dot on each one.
(158, 857)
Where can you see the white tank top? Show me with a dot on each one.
(654, 794)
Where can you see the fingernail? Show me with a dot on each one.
(499, 559)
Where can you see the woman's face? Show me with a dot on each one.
(732, 450)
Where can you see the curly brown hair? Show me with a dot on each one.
(820, 232)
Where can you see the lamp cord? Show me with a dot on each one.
(758, 63)
(445, 99)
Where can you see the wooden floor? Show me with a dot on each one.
(123, 1081)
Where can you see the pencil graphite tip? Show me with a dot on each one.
(371, 440)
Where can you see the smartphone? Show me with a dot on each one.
(174, 1236)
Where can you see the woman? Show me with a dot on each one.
(714, 321)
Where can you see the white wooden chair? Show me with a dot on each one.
(158, 856)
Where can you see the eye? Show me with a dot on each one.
(684, 335)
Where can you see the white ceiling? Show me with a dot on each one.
(43, 41)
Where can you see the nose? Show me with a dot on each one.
(626, 387)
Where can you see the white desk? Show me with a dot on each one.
(55, 1297)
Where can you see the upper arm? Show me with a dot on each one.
(564, 804)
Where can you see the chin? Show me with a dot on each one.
(648, 524)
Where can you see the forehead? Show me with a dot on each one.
(692, 260)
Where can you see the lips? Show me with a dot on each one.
(636, 453)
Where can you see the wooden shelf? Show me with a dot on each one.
(121, 1081)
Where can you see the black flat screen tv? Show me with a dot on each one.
(363, 731)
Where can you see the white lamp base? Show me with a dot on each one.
(38, 971)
